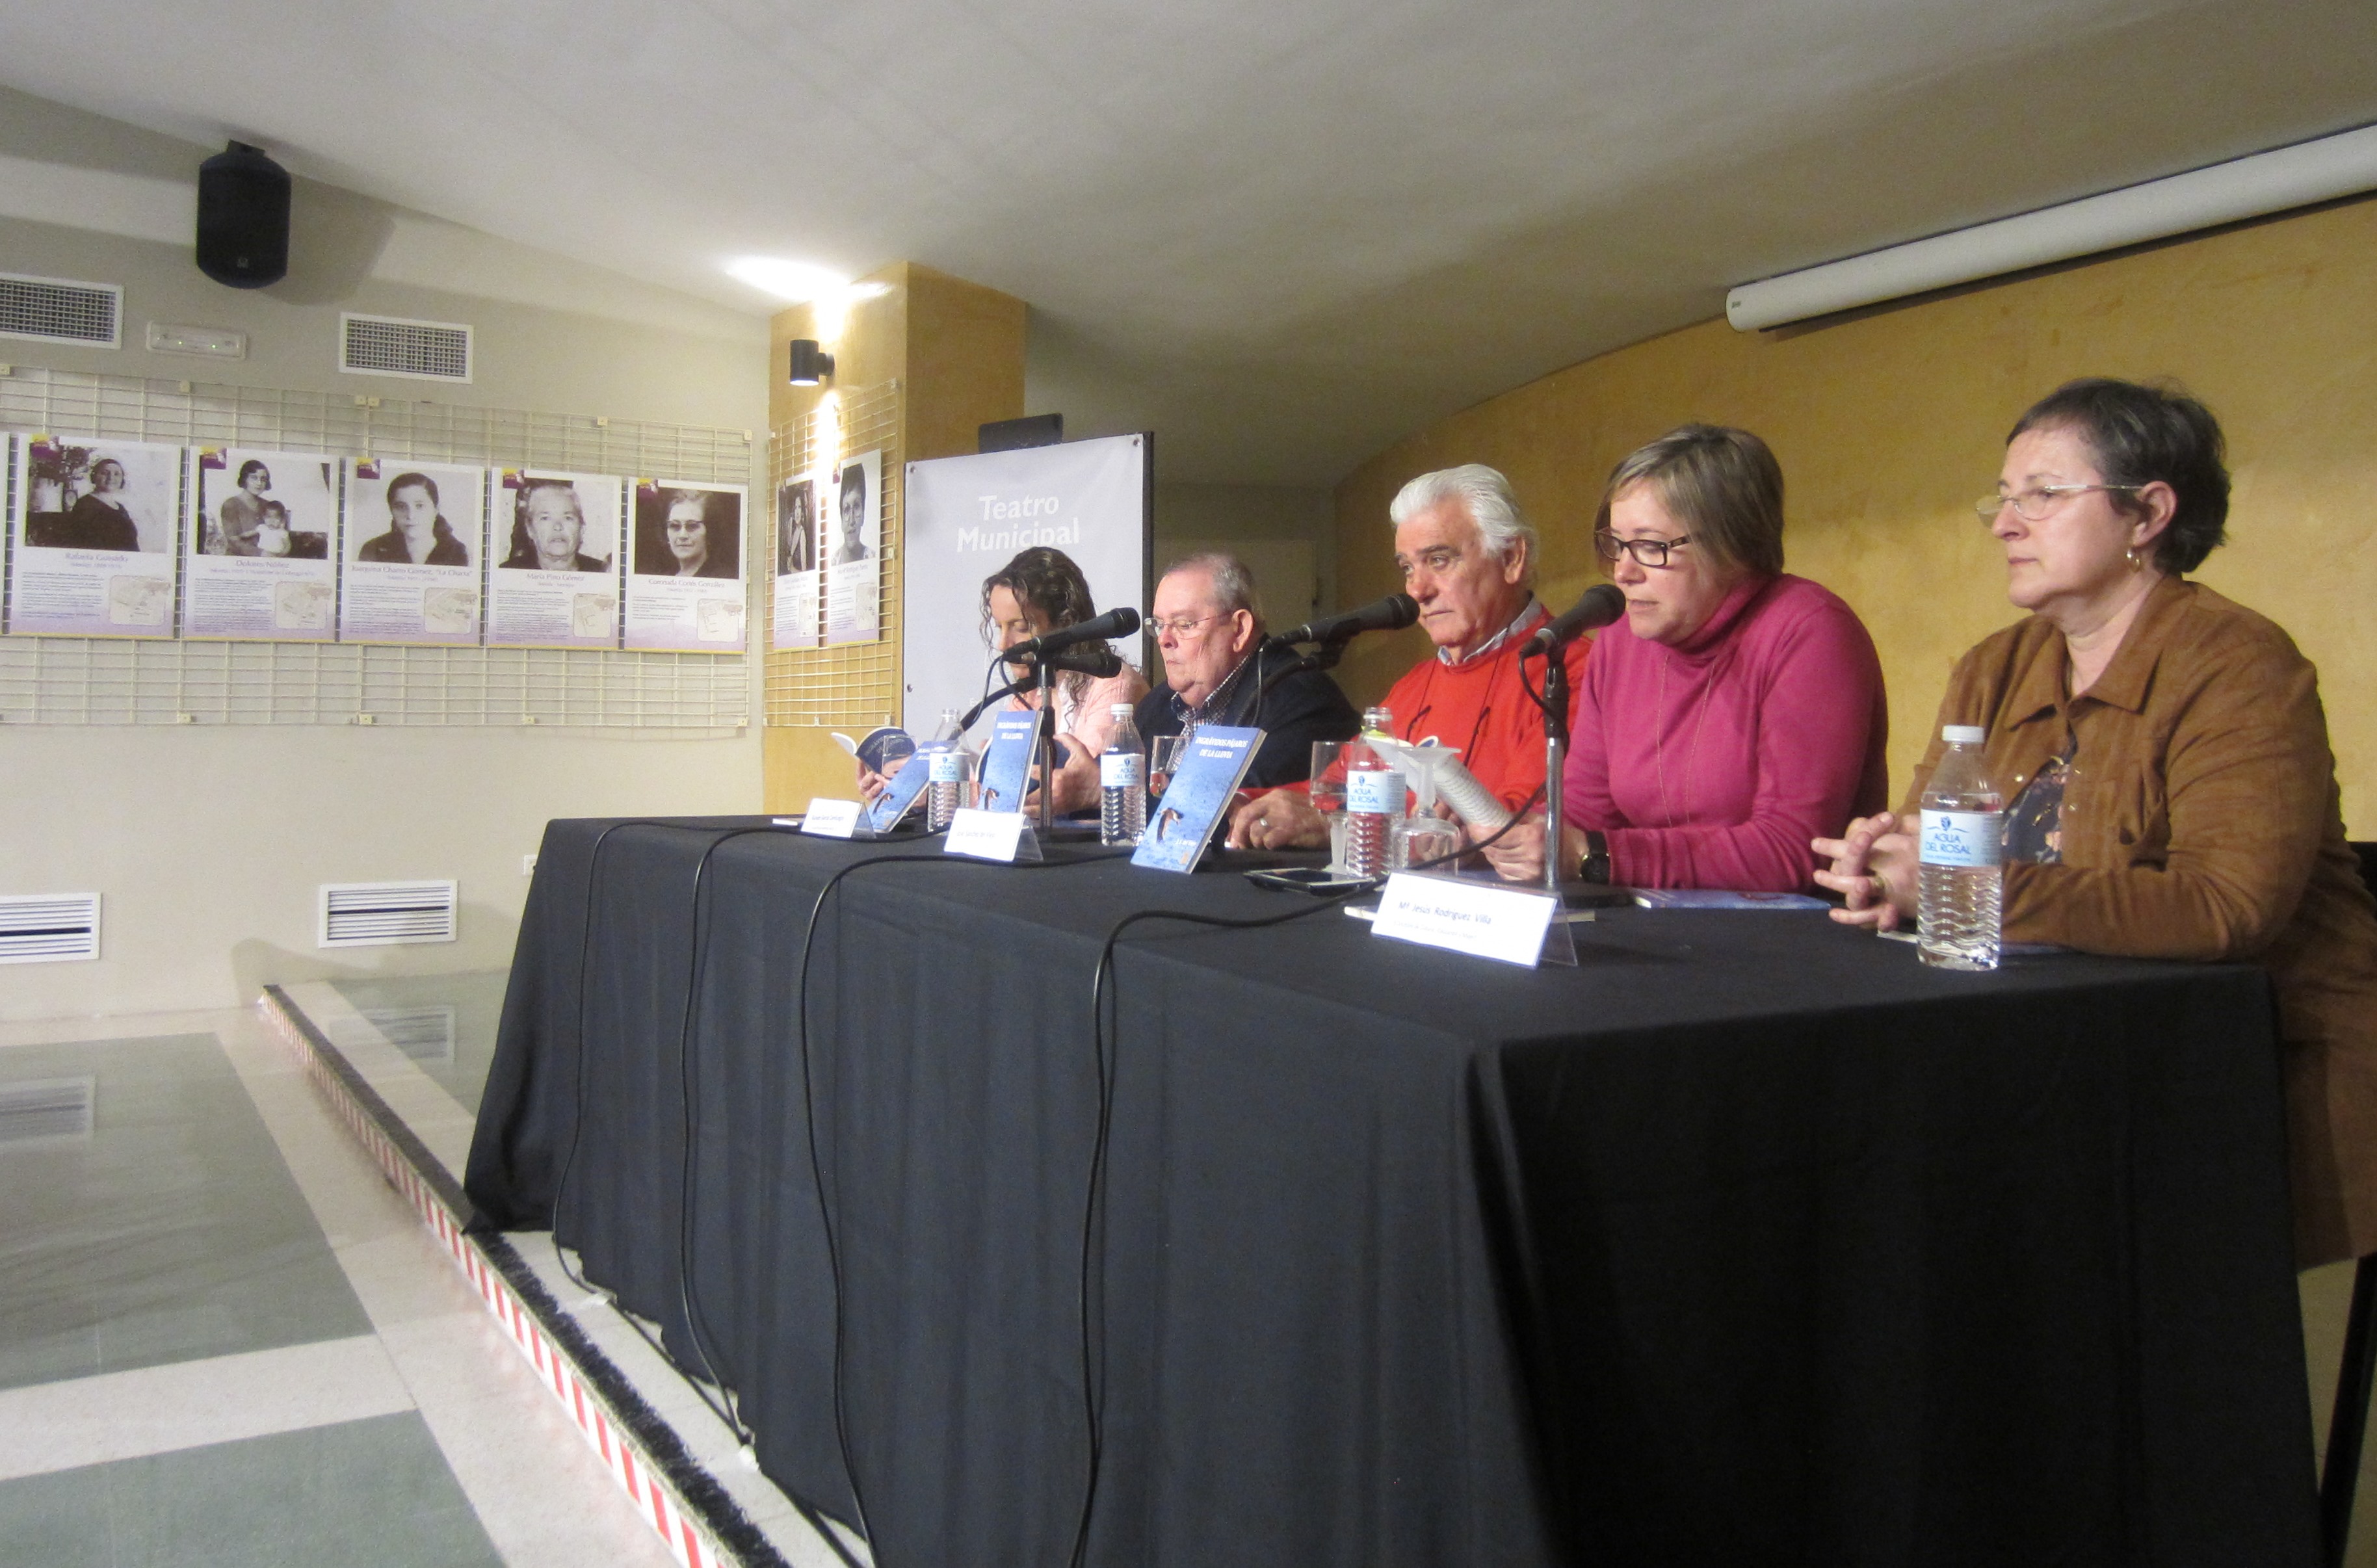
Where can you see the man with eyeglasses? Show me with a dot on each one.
(1209, 624)
(1468, 559)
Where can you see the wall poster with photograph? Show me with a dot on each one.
(684, 577)
(797, 578)
(554, 537)
(853, 550)
(93, 524)
(259, 555)
(416, 539)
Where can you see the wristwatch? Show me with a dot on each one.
(1594, 866)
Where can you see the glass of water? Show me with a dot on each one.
(1163, 761)
(1328, 788)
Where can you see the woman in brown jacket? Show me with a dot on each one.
(2171, 791)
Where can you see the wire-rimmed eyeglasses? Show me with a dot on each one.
(2034, 504)
(1179, 625)
(1646, 552)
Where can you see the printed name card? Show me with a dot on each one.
(832, 818)
(991, 835)
(1472, 917)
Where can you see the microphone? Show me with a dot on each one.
(1093, 659)
(1119, 622)
(1599, 604)
(1393, 613)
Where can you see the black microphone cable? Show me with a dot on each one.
(1093, 1393)
(817, 1165)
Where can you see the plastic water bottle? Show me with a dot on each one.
(1374, 798)
(945, 778)
(1122, 780)
(1962, 843)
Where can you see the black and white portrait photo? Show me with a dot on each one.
(854, 504)
(278, 505)
(795, 519)
(121, 496)
(423, 515)
(688, 531)
(556, 526)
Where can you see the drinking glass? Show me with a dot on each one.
(1419, 840)
(1163, 761)
(1328, 788)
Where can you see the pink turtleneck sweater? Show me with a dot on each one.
(1711, 764)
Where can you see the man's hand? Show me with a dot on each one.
(1283, 819)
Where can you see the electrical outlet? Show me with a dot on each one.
(528, 865)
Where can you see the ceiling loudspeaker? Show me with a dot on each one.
(243, 217)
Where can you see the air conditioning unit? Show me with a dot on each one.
(386, 913)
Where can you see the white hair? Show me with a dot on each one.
(1231, 581)
(1483, 494)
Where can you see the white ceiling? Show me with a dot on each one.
(1279, 235)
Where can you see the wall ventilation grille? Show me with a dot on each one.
(384, 345)
(384, 914)
(53, 930)
(55, 311)
(47, 1111)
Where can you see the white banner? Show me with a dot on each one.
(967, 517)
(684, 577)
(556, 582)
(852, 526)
(259, 559)
(416, 539)
(798, 581)
(94, 523)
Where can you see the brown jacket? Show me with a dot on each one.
(2202, 821)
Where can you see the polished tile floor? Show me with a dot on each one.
(224, 1338)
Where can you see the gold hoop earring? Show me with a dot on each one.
(2135, 564)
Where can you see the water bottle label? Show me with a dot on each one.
(1121, 770)
(948, 767)
(1962, 838)
(1376, 790)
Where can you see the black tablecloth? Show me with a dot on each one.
(1747, 1240)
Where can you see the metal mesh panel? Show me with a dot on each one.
(76, 680)
(857, 683)
(59, 312)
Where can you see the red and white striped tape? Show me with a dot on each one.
(626, 1459)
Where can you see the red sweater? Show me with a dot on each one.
(1713, 764)
(1480, 708)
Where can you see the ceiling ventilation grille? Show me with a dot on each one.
(55, 929)
(386, 913)
(56, 311)
(47, 1111)
(386, 345)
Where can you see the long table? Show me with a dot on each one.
(1747, 1240)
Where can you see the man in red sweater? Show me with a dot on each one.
(1469, 559)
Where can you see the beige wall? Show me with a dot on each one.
(208, 843)
(1888, 426)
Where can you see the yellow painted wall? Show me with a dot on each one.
(1890, 424)
(957, 350)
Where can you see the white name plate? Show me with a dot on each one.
(985, 835)
(1472, 917)
(834, 819)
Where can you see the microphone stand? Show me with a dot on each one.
(1325, 657)
(1555, 759)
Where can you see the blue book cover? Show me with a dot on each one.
(1007, 766)
(907, 787)
(1192, 803)
(1718, 898)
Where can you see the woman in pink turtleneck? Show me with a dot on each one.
(1734, 706)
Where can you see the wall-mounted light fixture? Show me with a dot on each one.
(809, 366)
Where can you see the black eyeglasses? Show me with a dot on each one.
(1646, 552)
